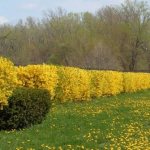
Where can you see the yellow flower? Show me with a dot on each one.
(8, 80)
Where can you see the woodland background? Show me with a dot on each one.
(113, 38)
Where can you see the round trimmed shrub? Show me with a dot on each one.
(26, 107)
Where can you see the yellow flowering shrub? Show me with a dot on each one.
(112, 82)
(74, 84)
(96, 84)
(136, 81)
(39, 76)
(106, 83)
(8, 80)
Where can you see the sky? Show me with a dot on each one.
(13, 10)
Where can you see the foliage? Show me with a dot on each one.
(117, 122)
(74, 84)
(113, 38)
(8, 80)
(39, 76)
(136, 81)
(106, 83)
(26, 107)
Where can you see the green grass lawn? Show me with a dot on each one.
(106, 123)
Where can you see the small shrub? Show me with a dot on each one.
(26, 107)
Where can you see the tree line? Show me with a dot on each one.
(113, 38)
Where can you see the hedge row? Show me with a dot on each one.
(74, 84)
(68, 83)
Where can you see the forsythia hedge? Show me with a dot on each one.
(106, 83)
(39, 76)
(68, 83)
(74, 84)
(136, 81)
(8, 80)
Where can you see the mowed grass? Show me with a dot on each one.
(120, 122)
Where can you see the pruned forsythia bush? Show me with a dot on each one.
(26, 107)
(39, 76)
(8, 80)
(106, 83)
(136, 81)
(73, 85)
